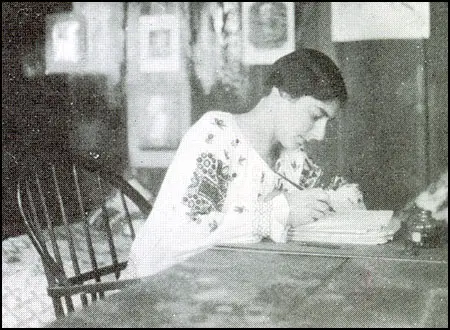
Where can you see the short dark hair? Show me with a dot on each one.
(307, 72)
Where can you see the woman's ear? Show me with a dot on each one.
(274, 94)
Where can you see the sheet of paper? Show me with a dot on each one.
(352, 227)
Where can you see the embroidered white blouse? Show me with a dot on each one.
(213, 193)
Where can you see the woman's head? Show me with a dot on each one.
(307, 72)
(307, 89)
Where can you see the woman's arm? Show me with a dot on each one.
(192, 211)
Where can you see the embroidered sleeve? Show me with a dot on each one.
(262, 218)
(280, 213)
(271, 219)
(205, 167)
(208, 188)
(297, 167)
(189, 208)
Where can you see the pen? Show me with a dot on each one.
(290, 181)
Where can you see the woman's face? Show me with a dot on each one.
(303, 119)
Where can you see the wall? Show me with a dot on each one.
(158, 95)
(392, 130)
(382, 126)
(437, 55)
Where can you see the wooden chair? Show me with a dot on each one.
(56, 197)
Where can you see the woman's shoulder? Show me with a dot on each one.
(213, 123)
(217, 118)
(215, 114)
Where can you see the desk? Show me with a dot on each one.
(280, 285)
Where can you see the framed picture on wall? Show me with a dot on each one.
(65, 43)
(159, 43)
(268, 31)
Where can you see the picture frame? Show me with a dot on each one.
(268, 31)
(159, 43)
(65, 43)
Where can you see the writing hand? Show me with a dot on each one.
(307, 205)
(347, 197)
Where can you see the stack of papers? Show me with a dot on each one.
(366, 227)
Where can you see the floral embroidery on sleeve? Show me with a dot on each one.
(261, 221)
(296, 166)
(311, 173)
(240, 209)
(209, 138)
(208, 188)
(219, 123)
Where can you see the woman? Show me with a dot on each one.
(221, 186)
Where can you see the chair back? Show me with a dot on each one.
(80, 217)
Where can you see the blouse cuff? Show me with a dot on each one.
(279, 219)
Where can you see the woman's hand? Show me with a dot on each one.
(347, 197)
(307, 205)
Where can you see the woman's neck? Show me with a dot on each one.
(257, 128)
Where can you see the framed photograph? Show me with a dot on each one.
(268, 31)
(159, 43)
(65, 43)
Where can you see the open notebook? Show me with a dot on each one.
(352, 227)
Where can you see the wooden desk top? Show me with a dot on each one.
(262, 287)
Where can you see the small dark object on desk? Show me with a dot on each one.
(422, 230)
